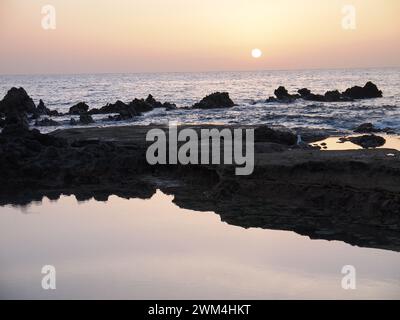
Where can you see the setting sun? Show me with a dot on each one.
(256, 53)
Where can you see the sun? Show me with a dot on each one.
(256, 53)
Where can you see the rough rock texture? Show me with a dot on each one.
(370, 128)
(79, 108)
(368, 141)
(370, 90)
(125, 111)
(266, 134)
(17, 100)
(46, 122)
(85, 119)
(43, 110)
(214, 101)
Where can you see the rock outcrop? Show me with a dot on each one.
(79, 108)
(215, 100)
(266, 134)
(369, 91)
(17, 100)
(367, 141)
(46, 122)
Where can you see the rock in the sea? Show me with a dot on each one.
(366, 128)
(282, 96)
(266, 134)
(281, 93)
(140, 105)
(79, 108)
(370, 90)
(43, 110)
(271, 100)
(169, 106)
(18, 100)
(157, 104)
(215, 100)
(304, 92)
(333, 96)
(46, 122)
(153, 102)
(126, 111)
(85, 119)
(368, 141)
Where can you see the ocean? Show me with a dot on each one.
(248, 90)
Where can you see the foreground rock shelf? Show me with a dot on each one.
(353, 196)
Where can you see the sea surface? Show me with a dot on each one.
(249, 90)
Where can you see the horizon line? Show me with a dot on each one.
(185, 72)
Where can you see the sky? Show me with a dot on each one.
(102, 36)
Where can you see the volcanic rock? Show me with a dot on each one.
(215, 100)
(79, 108)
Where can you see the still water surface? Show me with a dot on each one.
(152, 249)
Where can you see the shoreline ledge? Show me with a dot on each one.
(352, 196)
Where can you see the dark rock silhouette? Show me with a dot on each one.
(17, 100)
(266, 134)
(125, 111)
(332, 96)
(370, 90)
(214, 101)
(43, 110)
(46, 122)
(79, 108)
(15, 123)
(304, 92)
(85, 119)
(370, 128)
(153, 102)
(141, 105)
(366, 128)
(128, 111)
(368, 141)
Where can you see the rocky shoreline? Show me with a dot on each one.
(353, 196)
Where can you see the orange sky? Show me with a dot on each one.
(196, 35)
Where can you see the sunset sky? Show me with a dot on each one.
(196, 35)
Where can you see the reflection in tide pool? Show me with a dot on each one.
(334, 143)
(151, 249)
